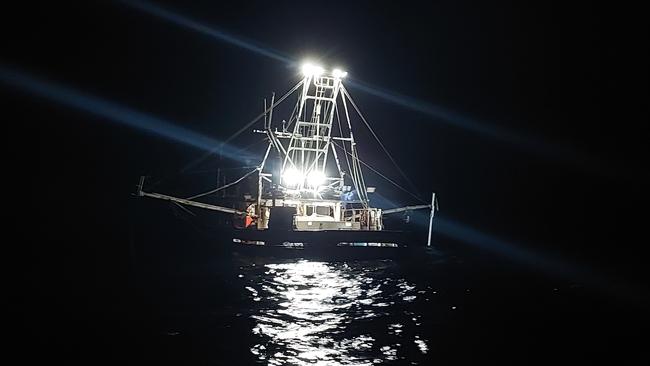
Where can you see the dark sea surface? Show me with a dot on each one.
(180, 295)
(435, 307)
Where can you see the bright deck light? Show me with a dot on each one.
(311, 70)
(292, 177)
(338, 73)
(315, 179)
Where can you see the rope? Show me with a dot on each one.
(347, 160)
(381, 175)
(220, 147)
(249, 124)
(223, 187)
(184, 209)
(380, 143)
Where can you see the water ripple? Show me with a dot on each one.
(319, 313)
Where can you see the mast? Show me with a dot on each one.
(304, 165)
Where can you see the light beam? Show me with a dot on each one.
(112, 111)
(520, 254)
(210, 31)
(440, 114)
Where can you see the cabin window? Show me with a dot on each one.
(323, 210)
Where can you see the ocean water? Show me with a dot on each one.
(308, 312)
(436, 308)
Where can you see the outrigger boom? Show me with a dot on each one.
(206, 206)
(186, 202)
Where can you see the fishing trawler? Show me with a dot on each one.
(310, 186)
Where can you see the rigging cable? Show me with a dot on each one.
(249, 124)
(379, 141)
(345, 153)
(184, 208)
(223, 187)
(381, 175)
(356, 169)
(347, 160)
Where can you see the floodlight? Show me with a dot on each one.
(292, 177)
(309, 69)
(338, 73)
(315, 179)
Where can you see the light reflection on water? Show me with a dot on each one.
(318, 313)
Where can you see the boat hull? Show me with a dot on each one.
(323, 244)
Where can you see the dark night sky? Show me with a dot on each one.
(573, 77)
